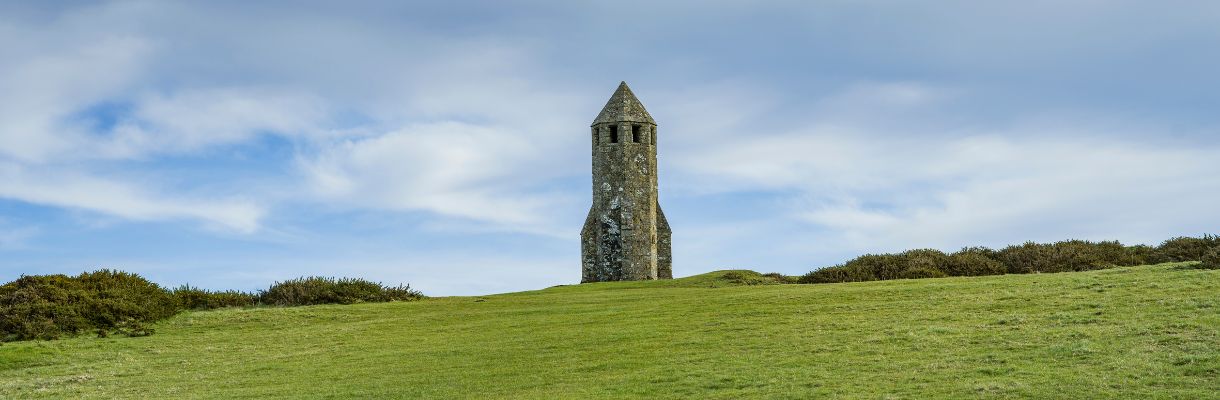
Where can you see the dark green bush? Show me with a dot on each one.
(322, 290)
(1184, 249)
(868, 267)
(42, 307)
(1030, 257)
(1211, 260)
(122, 296)
(1141, 254)
(923, 263)
(108, 301)
(1068, 255)
(1026, 258)
(973, 261)
(920, 272)
(193, 298)
(51, 306)
(1080, 255)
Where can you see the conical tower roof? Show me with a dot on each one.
(623, 107)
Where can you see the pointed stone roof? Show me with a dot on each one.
(623, 106)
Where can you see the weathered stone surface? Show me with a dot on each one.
(625, 237)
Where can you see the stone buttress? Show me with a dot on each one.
(626, 236)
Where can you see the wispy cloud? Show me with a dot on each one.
(74, 190)
(454, 169)
(864, 180)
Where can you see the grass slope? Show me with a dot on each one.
(1141, 332)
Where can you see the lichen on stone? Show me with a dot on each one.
(626, 236)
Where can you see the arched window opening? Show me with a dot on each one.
(613, 133)
(635, 133)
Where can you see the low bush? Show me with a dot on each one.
(1068, 255)
(1141, 254)
(1211, 260)
(108, 301)
(51, 306)
(860, 269)
(973, 261)
(1180, 249)
(751, 278)
(1029, 257)
(41, 307)
(780, 278)
(193, 298)
(923, 263)
(322, 290)
(124, 296)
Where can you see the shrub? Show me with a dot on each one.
(121, 296)
(867, 267)
(923, 263)
(51, 306)
(1141, 254)
(1026, 258)
(322, 290)
(781, 278)
(973, 261)
(1068, 255)
(1211, 260)
(1080, 255)
(192, 298)
(42, 307)
(1029, 257)
(1180, 249)
(920, 272)
(751, 278)
(838, 273)
(106, 301)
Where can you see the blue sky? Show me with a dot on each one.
(229, 145)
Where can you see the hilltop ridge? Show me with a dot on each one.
(1133, 332)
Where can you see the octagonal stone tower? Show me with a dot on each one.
(625, 237)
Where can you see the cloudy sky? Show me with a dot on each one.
(444, 144)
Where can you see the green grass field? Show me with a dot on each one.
(1140, 332)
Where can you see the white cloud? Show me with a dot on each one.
(874, 191)
(115, 197)
(191, 120)
(865, 175)
(43, 90)
(453, 169)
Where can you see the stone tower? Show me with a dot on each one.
(625, 237)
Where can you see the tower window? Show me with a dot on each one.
(596, 136)
(654, 136)
(635, 133)
(613, 134)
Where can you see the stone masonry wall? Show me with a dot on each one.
(625, 236)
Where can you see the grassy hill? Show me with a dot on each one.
(1137, 332)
